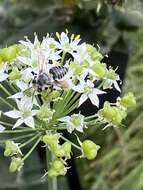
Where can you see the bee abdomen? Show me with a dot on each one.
(58, 72)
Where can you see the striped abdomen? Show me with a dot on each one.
(58, 72)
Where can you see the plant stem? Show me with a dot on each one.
(18, 131)
(63, 57)
(29, 141)
(76, 146)
(5, 90)
(18, 138)
(31, 150)
(52, 181)
(6, 124)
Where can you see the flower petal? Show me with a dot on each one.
(18, 123)
(97, 91)
(34, 112)
(17, 95)
(70, 128)
(3, 76)
(117, 86)
(83, 98)
(2, 128)
(94, 99)
(13, 114)
(29, 121)
(64, 119)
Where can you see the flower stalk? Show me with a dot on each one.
(52, 181)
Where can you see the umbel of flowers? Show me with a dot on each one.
(42, 83)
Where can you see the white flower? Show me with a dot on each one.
(111, 79)
(24, 114)
(81, 53)
(50, 43)
(75, 121)
(2, 128)
(40, 53)
(108, 84)
(3, 74)
(66, 44)
(88, 90)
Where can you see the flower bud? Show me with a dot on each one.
(99, 69)
(57, 168)
(95, 55)
(128, 100)
(15, 74)
(108, 111)
(110, 74)
(58, 165)
(51, 140)
(15, 164)
(119, 116)
(11, 148)
(9, 53)
(52, 173)
(59, 151)
(67, 149)
(78, 68)
(45, 113)
(90, 149)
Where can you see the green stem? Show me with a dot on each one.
(76, 146)
(6, 124)
(63, 57)
(91, 117)
(29, 141)
(18, 131)
(52, 181)
(5, 90)
(18, 138)
(11, 86)
(6, 102)
(31, 150)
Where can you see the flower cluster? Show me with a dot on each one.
(45, 81)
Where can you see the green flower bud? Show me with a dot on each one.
(108, 111)
(90, 149)
(78, 68)
(67, 149)
(1, 60)
(119, 116)
(63, 150)
(128, 100)
(51, 140)
(10, 53)
(52, 173)
(15, 164)
(57, 168)
(11, 148)
(99, 69)
(55, 94)
(15, 74)
(45, 113)
(110, 74)
(58, 165)
(95, 55)
(59, 151)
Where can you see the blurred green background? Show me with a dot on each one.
(114, 25)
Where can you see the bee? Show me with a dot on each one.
(57, 76)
